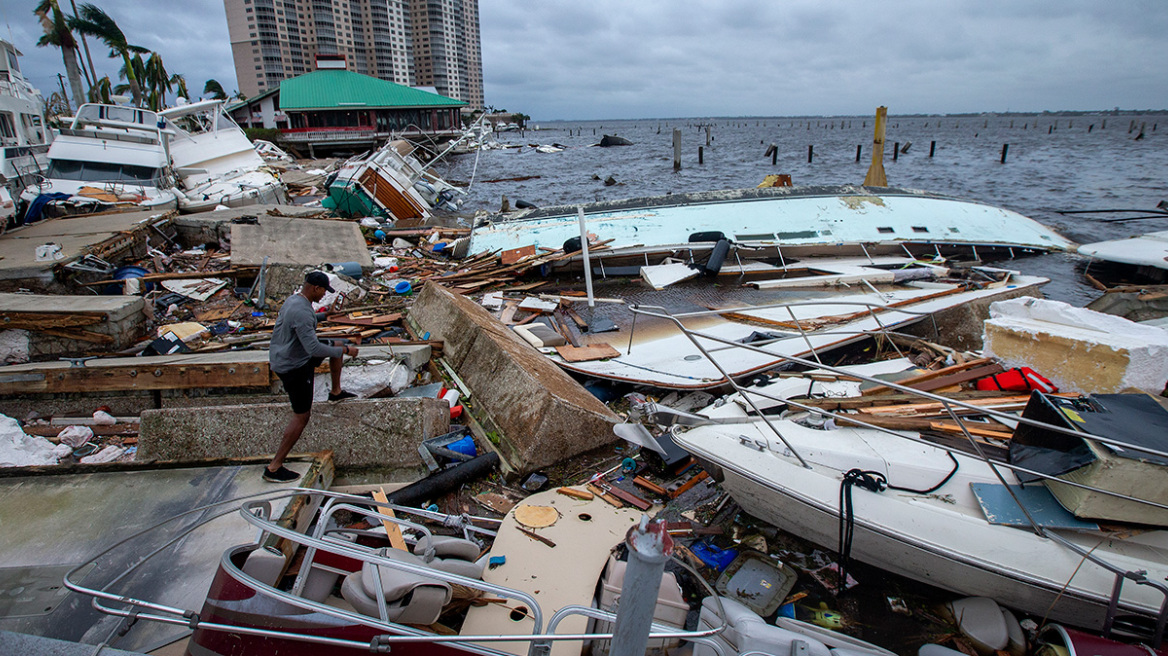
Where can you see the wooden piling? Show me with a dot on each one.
(876, 176)
(707, 135)
(1090, 127)
(810, 153)
(859, 148)
(774, 155)
(1005, 147)
(676, 149)
(932, 148)
(895, 150)
(701, 154)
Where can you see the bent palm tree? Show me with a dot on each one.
(180, 84)
(215, 89)
(57, 33)
(158, 81)
(96, 23)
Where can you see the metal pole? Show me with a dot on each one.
(649, 547)
(587, 264)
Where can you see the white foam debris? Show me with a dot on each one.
(1080, 350)
(18, 449)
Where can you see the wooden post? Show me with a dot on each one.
(810, 153)
(774, 155)
(859, 148)
(876, 176)
(1090, 127)
(932, 148)
(1104, 126)
(1005, 147)
(895, 150)
(676, 149)
(707, 135)
(701, 155)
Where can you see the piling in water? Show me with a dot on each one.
(1005, 147)
(895, 150)
(701, 155)
(859, 148)
(676, 149)
(810, 153)
(932, 148)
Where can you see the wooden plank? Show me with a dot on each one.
(583, 495)
(41, 320)
(927, 376)
(145, 376)
(392, 530)
(857, 402)
(952, 427)
(937, 407)
(188, 275)
(587, 352)
(514, 255)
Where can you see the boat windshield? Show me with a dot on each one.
(68, 169)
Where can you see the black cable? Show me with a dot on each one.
(873, 481)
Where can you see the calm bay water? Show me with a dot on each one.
(1053, 163)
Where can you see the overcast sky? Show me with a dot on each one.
(604, 59)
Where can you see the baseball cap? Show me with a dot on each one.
(319, 279)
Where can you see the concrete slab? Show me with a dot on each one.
(369, 433)
(104, 235)
(50, 522)
(109, 322)
(213, 227)
(298, 242)
(543, 414)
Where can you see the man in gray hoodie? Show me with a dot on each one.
(294, 355)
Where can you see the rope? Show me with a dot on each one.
(873, 481)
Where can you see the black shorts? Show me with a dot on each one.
(298, 385)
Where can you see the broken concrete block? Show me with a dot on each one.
(1078, 349)
(542, 413)
(61, 325)
(374, 433)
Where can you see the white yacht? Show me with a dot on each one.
(24, 139)
(109, 155)
(215, 162)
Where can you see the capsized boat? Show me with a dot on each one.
(390, 183)
(363, 576)
(924, 510)
(777, 222)
(215, 162)
(1144, 255)
(805, 309)
(109, 155)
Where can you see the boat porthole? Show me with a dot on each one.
(691, 358)
(585, 517)
(518, 613)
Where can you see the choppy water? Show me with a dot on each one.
(1053, 163)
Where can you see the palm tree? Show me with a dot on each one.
(57, 33)
(96, 23)
(100, 92)
(158, 82)
(180, 84)
(215, 89)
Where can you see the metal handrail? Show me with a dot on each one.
(256, 510)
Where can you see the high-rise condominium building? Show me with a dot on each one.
(411, 42)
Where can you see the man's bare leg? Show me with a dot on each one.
(335, 373)
(292, 433)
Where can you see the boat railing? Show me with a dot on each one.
(863, 308)
(256, 509)
(953, 408)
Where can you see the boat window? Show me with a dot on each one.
(64, 169)
(7, 127)
(799, 234)
(920, 229)
(885, 230)
(760, 237)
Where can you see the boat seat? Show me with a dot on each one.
(451, 555)
(747, 632)
(265, 565)
(409, 598)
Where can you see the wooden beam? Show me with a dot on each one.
(145, 376)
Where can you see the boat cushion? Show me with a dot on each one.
(451, 555)
(410, 598)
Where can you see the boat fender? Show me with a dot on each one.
(524, 205)
(572, 245)
(717, 257)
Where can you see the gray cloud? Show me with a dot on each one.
(658, 58)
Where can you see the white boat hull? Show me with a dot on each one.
(943, 538)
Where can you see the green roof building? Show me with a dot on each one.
(334, 107)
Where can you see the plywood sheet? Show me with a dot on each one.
(586, 353)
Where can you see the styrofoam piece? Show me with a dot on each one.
(493, 300)
(660, 276)
(365, 380)
(534, 304)
(1080, 350)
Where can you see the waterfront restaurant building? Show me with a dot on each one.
(333, 108)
